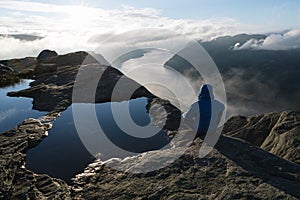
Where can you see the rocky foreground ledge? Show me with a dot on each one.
(234, 169)
(277, 133)
(255, 158)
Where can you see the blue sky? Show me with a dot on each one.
(279, 14)
(80, 24)
(258, 16)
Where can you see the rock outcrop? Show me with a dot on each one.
(233, 170)
(4, 69)
(277, 133)
(7, 76)
(162, 109)
(13, 71)
(21, 66)
(46, 54)
(16, 182)
(52, 89)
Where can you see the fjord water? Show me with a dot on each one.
(14, 110)
(63, 155)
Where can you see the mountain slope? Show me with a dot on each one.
(277, 133)
(252, 78)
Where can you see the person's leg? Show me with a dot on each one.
(200, 134)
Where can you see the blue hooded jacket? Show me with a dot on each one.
(204, 113)
(205, 107)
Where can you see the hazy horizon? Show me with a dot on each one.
(68, 26)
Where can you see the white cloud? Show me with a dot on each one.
(62, 43)
(7, 113)
(285, 41)
(70, 28)
(35, 6)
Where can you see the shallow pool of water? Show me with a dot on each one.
(63, 155)
(13, 110)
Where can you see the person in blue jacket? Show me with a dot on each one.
(205, 114)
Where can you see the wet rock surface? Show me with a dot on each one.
(13, 71)
(53, 85)
(234, 169)
(16, 181)
(51, 91)
(162, 109)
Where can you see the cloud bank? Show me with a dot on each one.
(286, 41)
(68, 28)
(62, 43)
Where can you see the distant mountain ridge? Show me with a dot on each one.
(25, 37)
(230, 41)
(256, 81)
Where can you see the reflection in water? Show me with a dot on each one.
(63, 155)
(14, 110)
